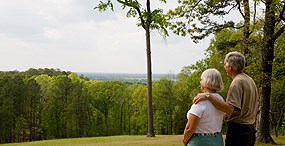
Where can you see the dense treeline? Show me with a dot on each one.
(47, 103)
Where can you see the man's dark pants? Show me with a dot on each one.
(240, 135)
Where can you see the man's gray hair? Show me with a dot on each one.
(212, 78)
(236, 60)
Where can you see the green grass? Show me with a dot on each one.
(280, 140)
(142, 140)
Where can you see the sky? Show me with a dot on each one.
(69, 35)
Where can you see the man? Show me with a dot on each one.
(241, 104)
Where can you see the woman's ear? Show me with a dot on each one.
(202, 87)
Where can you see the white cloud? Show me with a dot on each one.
(70, 35)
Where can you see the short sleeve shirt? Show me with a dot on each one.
(211, 119)
(243, 95)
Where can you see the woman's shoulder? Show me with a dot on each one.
(217, 95)
(199, 106)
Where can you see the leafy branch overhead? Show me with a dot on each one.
(154, 19)
(105, 6)
(200, 18)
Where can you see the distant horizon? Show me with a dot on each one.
(121, 73)
(171, 73)
(73, 36)
(129, 77)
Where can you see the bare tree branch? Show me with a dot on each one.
(239, 8)
(278, 33)
(281, 30)
(281, 15)
(232, 8)
(136, 8)
(254, 16)
(141, 17)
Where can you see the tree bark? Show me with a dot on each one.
(263, 133)
(150, 129)
(246, 32)
(106, 114)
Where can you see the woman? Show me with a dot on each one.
(204, 120)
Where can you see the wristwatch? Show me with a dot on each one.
(207, 96)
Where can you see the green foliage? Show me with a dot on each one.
(105, 97)
(183, 103)
(138, 109)
(277, 87)
(200, 18)
(282, 129)
(47, 71)
(105, 6)
(163, 91)
(154, 19)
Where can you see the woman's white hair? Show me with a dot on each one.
(212, 78)
(236, 60)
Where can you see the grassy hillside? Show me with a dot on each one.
(159, 140)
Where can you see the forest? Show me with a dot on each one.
(46, 103)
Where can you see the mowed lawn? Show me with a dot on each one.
(142, 140)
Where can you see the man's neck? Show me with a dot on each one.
(235, 74)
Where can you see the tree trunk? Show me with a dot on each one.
(246, 32)
(171, 122)
(263, 133)
(31, 123)
(280, 119)
(150, 130)
(106, 123)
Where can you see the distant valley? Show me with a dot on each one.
(125, 77)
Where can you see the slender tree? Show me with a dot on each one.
(148, 20)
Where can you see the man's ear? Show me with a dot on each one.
(231, 68)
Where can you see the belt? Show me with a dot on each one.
(206, 134)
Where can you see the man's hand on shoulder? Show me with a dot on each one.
(199, 97)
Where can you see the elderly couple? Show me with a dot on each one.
(206, 115)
